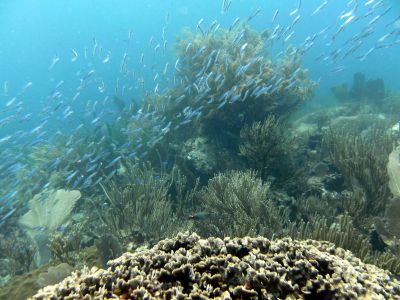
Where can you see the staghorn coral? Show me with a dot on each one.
(238, 204)
(239, 268)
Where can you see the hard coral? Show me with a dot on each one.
(246, 268)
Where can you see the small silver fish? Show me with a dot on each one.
(199, 216)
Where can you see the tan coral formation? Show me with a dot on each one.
(239, 268)
(49, 209)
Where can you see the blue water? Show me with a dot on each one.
(32, 32)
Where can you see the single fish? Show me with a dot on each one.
(107, 59)
(5, 88)
(253, 15)
(319, 8)
(74, 55)
(199, 216)
(275, 15)
(54, 62)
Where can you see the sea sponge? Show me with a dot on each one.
(230, 268)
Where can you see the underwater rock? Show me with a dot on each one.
(22, 286)
(108, 247)
(371, 90)
(334, 182)
(314, 141)
(341, 92)
(375, 89)
(230, 268)
(320, 169)
(358, 88)
(54, 274)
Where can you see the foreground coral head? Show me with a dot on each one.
(239, 268)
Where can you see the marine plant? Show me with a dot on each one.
(362, 158)
(237, 203)
(266, 146)
(344, 234)
(140, 210)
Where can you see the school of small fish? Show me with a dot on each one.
(92, 155)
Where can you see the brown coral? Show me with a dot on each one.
(247, 268)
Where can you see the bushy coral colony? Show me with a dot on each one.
(221, 154)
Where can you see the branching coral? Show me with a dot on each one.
(228, 72)
(362, 159)
(18, 251)
(343, 234)
(238, 204)
(142, 209)
(265, 145)
(226, 80)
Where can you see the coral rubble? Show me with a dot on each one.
(239, 268)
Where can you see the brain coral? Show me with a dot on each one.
(240, 268)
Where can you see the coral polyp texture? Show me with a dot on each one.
(230, 268)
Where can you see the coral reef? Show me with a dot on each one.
(362, 160)
(238, 204)
(250, 268)
(217, 80)
(217, 153)
(142, 210)
(370, 91)
(16, 255)
(267, 146)
(48, 211)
